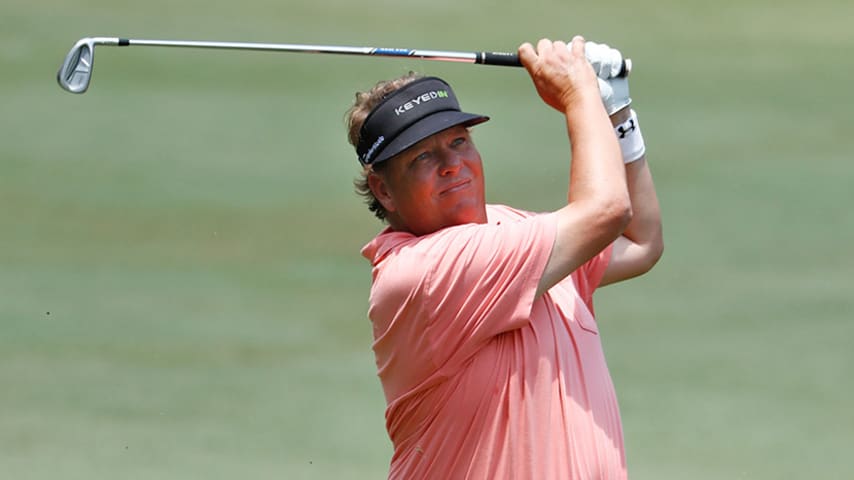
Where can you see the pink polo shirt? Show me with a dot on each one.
(482, 380)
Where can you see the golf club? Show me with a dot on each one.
(76, 71)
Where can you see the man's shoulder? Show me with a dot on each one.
(384, 243)
(496, 213)
(390, 242)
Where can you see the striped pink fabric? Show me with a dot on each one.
(482, 380)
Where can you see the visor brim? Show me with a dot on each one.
(425, 127)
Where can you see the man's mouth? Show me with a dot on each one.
(456, 187)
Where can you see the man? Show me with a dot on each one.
(485, 340)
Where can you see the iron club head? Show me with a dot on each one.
(76, 70)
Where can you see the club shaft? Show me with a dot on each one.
(488, 58)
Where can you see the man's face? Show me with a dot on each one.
(434, 184)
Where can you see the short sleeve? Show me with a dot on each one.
(483, 280)
(588, 277)
(447, 293)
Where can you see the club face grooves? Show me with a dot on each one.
(76, 70)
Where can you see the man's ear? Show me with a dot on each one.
(379, 188)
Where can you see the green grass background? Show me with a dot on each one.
(181, 294)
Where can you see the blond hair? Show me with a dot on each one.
(355, 118)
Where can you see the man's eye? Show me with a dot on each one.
(421, 157)
(458, 141)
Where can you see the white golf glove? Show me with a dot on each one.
(607, 63)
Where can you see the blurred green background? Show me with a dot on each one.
(181, 291)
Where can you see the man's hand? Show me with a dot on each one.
(561, 73)
(607, 63)
(598, 207)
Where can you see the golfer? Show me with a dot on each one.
(484, 335)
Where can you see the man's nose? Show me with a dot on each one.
(451, 163)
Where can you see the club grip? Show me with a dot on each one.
(505, 59)
(499, 58)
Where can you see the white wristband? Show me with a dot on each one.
(631, 139)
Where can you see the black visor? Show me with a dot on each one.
(409, 115)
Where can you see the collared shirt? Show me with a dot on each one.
(482, 380)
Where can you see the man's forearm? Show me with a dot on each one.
(595, 153)
(645, 226)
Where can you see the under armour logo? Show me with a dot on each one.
(623, 130)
